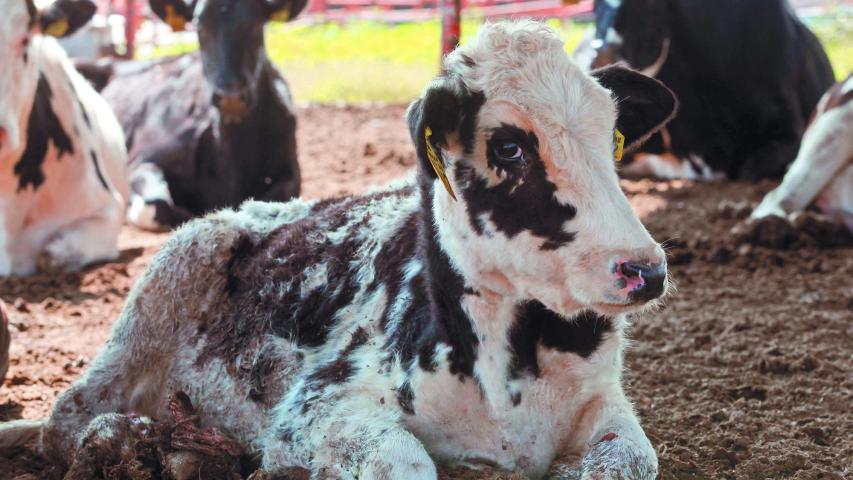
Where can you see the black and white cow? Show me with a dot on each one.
(822, 175)
(63, 181)
(211, 129)
(5, 340)
(748, 75)
(369, 336)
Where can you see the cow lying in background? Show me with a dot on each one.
(211, 129)
(5, 340)
(363, 337)
(63, 181)
(747, 74)
(822, 175)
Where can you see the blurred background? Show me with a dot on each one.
(368, 51)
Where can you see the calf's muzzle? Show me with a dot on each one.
(644, 281)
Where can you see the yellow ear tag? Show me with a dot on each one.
(436, 163)
(620, 144)
(281, 15)
(57, 28)
(175, 20)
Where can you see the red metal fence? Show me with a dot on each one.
(391, 11)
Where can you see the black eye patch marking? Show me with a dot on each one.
(509, 149)
(524, 200)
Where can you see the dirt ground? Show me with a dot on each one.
(744, 374)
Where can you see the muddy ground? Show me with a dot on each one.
(745, 373)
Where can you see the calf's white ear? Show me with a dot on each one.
(64, 17)
(644, 104)
(175, 13)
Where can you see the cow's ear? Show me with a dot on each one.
(644, 104)
(446, 107)
(284, 10)
(64, 17)
(175, 13)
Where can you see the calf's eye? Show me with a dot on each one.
(509, 151)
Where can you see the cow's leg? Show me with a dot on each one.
(343, 435)
(151, 205)
(619, 449)
(84, 241)
(825, 150)
(119, 380)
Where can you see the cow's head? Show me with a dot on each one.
(20, 24)
(636, 31)
(526, 140)
(231, 36)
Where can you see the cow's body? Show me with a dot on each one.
(185, 161)
(211, 129)
(62, 169)
(748, 75)
(822, 174)
(363, 337)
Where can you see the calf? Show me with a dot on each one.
(822, 174)
(63, 183)
(474, 314)
(211, 129)
(747, 74)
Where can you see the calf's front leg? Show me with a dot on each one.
(343, 436)
(618, 450)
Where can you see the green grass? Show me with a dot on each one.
(363, 62)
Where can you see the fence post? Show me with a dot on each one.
(450, 29)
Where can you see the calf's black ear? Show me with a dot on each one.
(175, 13)
(446, 107)
(644, 104)
(284, 10)
(64, 17)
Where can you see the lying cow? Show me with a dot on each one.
(822, 174)
(211, 129)
(473, 315)
(5, 339)
(747, 74)
(63, 181)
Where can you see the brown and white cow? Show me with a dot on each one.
(371, 336)
(63, 181)
(822, 174)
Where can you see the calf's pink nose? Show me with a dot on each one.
(644, 281)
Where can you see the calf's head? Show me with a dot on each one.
(526, 141)
(231, 37)
(20, 24)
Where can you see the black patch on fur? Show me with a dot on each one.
(341, 369)
(524, 200)
(98, 170)
(263, 280)
(535, 325)
(43, 126)
(447, 107)
(406, 398)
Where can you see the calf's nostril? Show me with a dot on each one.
(633, 270)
